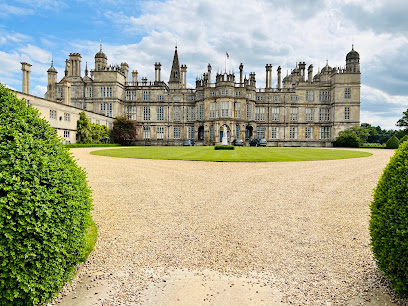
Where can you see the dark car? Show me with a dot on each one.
(238, 142)
(258, 142)
(188, 143)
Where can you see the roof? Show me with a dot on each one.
(353, 54)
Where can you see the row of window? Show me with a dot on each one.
(324, 132)
(53, 115)
(223, 111)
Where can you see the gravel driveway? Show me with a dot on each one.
(183, 232)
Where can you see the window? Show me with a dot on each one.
(293, 132)
(293, 114)
(324, 133)
(160, 132)
(224, 109)
(347, 113)
(146, 95)
(275, 114)
(324, 114)
(176, 132)
(190, 132)
(201, 113)
(89, 92)
(294, 98)
(212, 110)
(176, 99)
(66, 134)
(67, 117)
(275, 98)
(60, 93)
(248, 111)
(309, 114)
(324, 95)
(237, 93)
(260, 132)
(190, 113)
(131, 95)
(223, 92)
(175, 74)
(260, 113)
(249, 96)
(177, 113)
(309, 95)
(260, 98)
(131, 112)
(309, 133)
(212, 132)
(160, 98)
(237, 110)
(347, 93)
(146, 113)
(212, 93)
(106, 91)
(160, 113)
(106, 109)
(146, 132)
(275, 133)
(237, 131)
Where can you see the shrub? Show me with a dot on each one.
(405, 138)
(44, 206)
(218, 147)
(392, 143)
(347, 139)
(124, 131)
(389, 221)
(91, 133)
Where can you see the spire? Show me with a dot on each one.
(175, 69)
(100, 44)
(352, 47)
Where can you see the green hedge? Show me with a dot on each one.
(389, 221)
(392, 143)
(218, 147)
(91, 145)
(44, 206)
(405, 138)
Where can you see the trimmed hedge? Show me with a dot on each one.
(91, 145)
(218, 147)
(392, 143)
(44, 206)
(389, 221)
(405, 138)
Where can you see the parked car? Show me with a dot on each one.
(188, 142)
(238, 142)
(258, 142)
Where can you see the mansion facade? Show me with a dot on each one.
(303, 110)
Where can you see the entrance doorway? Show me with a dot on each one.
(249, 130)
(201, 133)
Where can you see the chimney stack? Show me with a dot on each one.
(241, 68)
(26, 68)
(279, 77)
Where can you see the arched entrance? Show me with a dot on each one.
(201, 133)
(249, 131)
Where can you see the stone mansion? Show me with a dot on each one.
(303, 110)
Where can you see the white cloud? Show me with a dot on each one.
(6, 10)
(374, 95)
(39, 91)
(380, 119)
(37, 53)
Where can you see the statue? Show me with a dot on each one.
(225, 136)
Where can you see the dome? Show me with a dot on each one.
(326, 68)
(352, 55)
(100, 54)
(52, 68)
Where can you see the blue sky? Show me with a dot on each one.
(254, 32)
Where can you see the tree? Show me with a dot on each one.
(124, 131)
(354, 136)
(45, 206)
(403, 139)
(403, 122)
(389, 222)
(84, 129)
(99, 133)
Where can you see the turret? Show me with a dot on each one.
(100, 60)
(353, 61)
(51, 93)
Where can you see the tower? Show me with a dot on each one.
(175, 78)
(100, 60)
(353, 61)
(51, 93)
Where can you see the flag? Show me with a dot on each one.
(227, 54)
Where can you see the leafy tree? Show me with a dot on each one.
(405, 138)
(124, 131)
(392, 143)
(44, 206)
(84, 128)
(403, 122)
(99, 133)
(389, 221)
(354, 136)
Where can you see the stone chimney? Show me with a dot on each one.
(125, 68)
(134, 76)
(183, 76)
(268, 76)
(279, 77)
(157, 72)
(26, 68)
(241, 68)
(209, 73)
(310, 74)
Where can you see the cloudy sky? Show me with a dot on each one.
(254, 32)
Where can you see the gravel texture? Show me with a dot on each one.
(297, 228)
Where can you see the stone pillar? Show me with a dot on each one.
(267, 76)
(241, 68)
(159, 69)
(155, 72)
(134, 76)
(310, 74)
(279, 77)
(209, 73)
(26, 68)
(183, 76)
(67, 87)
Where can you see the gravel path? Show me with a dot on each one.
(170, 231)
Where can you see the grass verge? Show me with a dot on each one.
(240, 154)
(90, 239)
(91, 145)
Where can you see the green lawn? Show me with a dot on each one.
(240, 154)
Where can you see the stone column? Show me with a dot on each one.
(267, 76)
(209, 73)
(67, 87)
(279, 77)
(26, 68)
(310, 74)
(241, 68)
